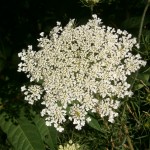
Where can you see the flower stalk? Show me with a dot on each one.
(142, 20)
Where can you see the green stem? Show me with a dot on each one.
(125, 128)
(128, 137)
(91, 9)
(142, 20)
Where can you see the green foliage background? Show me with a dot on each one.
(21, 127)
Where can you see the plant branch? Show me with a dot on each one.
(142, 20)
(128, 137)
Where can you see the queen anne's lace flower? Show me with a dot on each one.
(70, 146)
(32, 93)
(81, 69)
(78, 115)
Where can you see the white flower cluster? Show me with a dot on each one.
(81, 69)
(70, 146)
(33, 93)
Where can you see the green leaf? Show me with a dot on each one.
(147, 70)
(23, 136)
(53, 133)
(94, 124)
(48, 134)
(138, 86)
(134, 22)
(144, 77)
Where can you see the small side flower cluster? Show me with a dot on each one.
(70, 146)
(33, 93)
(81, 69)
